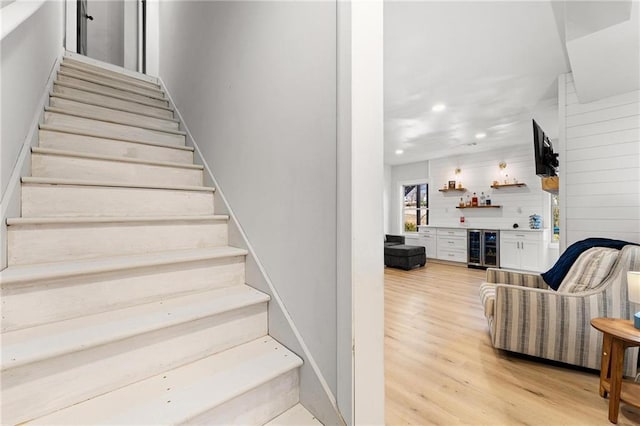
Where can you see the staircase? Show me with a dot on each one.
(122, 302)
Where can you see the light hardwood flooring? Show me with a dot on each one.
(440, 367)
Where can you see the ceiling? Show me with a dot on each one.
(494, 65)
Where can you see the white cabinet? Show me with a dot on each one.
(451, 244)
(522, 250)
(428, 240)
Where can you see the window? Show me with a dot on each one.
(415, 206)
(555, 218)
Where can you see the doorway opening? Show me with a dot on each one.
(112, 31)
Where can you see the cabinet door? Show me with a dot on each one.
(530, 255)
(429, 242)
(509, 253)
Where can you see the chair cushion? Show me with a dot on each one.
(590, 270)
(554, 276)
(488, 298)
(403, 251)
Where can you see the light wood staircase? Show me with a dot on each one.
(122, 302)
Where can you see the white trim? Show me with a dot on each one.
(562, 158)
(16, 13)
(275, 295)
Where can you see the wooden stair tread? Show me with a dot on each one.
(78, 182)
(97, 117)
(89, 98)
(295, 416)
(112, 219)
(62, 153)
(21, 347)
(28, 273)
(113, 95)
(114, 76)
(159, 95)
(85, 62)
(119, 109)
(177, 395)
(63, 129)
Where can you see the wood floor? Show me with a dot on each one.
(441, 369)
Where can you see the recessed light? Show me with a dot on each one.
(399, 151)
(481, 135)
(438, 107)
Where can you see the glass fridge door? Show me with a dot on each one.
(474, 252)
(491, 254)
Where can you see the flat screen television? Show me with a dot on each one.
(546, 159)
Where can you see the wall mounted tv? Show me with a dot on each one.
(546, 159)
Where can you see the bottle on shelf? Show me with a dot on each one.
(487, 201)
(468, 203)
(461, 202)
(474, 200)
(483, 199)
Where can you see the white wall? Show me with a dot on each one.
(28, 54)
(411, 172)
(256, 85)
(130, 35)
(600, 165)
(105, 34)
(478, 171)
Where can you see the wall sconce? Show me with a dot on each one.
(502, 165)
(458, 170)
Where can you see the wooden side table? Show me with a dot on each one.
(618, 335)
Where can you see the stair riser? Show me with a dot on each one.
(97, 69)
(112, 102)
(82, 84)
(257, 406)
(29, 244)
(109, 79)
(34, 390)
(107, 82)
(101, 113)
(112, 147)
(55, 166)
(40, 200)
(112, 130)
(66, 298)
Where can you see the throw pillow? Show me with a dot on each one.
(588, 272)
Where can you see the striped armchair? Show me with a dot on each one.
(526, 316)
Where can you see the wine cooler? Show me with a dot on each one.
(483, 249)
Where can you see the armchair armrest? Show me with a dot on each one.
(522, 279)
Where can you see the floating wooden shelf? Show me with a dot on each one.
(479, 207)
(507, 185)
(456, 189)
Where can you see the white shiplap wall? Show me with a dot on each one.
(478, 172)
(601, 165)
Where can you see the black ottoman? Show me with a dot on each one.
(404, 257)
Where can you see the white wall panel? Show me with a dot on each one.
(478, 173)
(602, 166)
